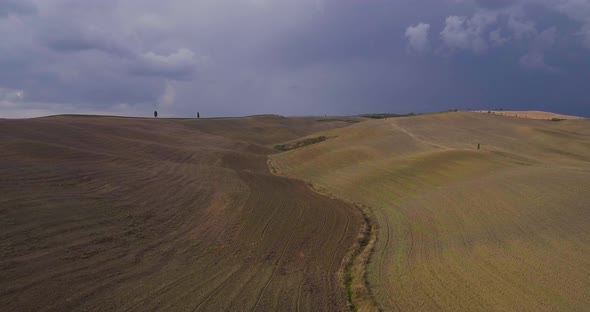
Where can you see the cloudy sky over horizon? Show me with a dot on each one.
(292, 57)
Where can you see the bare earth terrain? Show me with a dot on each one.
(503, 228)
(125, 214)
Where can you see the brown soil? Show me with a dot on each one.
(106, 213)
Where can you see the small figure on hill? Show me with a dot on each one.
(198, 115)
(478, 146)
(155, 114)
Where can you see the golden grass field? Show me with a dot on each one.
(531, 114)
(504, 228)
(130, 214)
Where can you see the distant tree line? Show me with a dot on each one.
(386, 115)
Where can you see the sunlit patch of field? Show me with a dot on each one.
(505, 227)
(531, 114)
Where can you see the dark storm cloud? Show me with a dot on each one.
(20, 7)
(495, 4)
(178, 65)
(69, 39)
(223, 57)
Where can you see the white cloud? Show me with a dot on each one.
(461, 32)
(578, 10)
(575, 9)
(418, 37)
(181, 57)
(520, 27)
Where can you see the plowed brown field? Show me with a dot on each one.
(106, 213)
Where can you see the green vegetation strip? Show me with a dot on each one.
(353, 269)
(355, 273)
(301, 143)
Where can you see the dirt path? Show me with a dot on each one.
(415, 137)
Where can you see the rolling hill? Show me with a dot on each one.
(130, 214)
(502, 228)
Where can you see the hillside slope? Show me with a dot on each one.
(504, 228)
(530, 114)
(125, 214)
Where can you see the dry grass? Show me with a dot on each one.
(532, 115)
(106, 213)
(503, 228)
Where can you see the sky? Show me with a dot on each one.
(292, 57)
